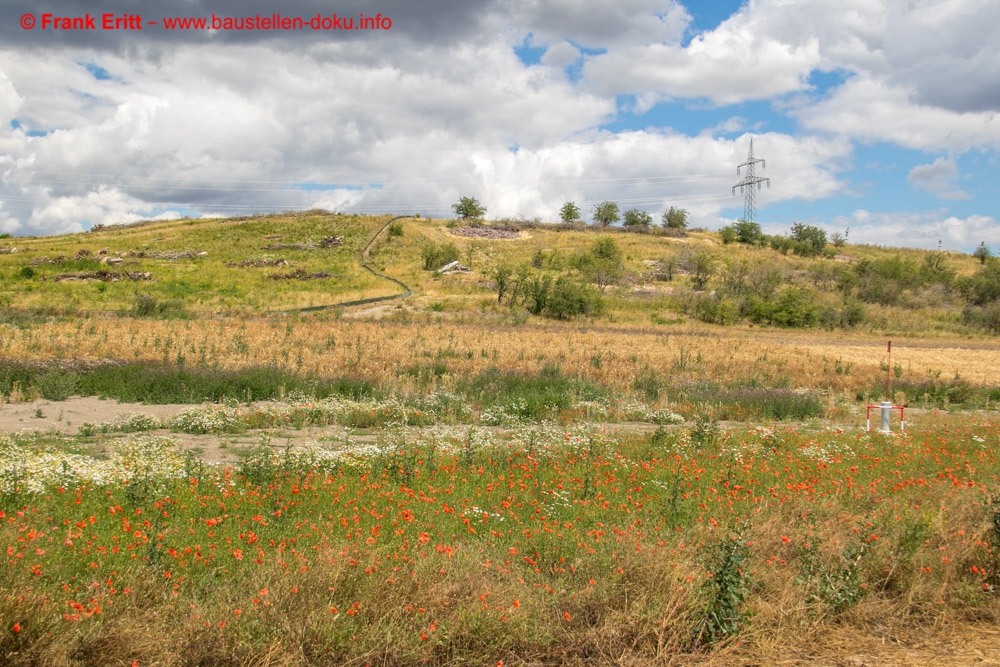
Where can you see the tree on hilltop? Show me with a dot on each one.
(605, 213)
(469, 207)
(569, 212)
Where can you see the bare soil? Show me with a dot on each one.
(66, 417)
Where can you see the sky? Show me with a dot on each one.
(874, 118)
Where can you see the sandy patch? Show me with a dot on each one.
(66, 417)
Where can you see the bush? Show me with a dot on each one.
(533, 291)
(143, 382)
(793, 308)
(715, 309)
(985, 317)
(435, 256)
(395, 230)
(568, 298)
(701, 266)
(809, 239)
(56, 384)
(781, 243)
(145, 305)
(748, 403)
(602, 264)
(742, 231)
(852, 314)
(982, 253)
(984, 287)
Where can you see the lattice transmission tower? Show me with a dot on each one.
(750, 180)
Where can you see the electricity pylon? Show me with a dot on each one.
(746, 186)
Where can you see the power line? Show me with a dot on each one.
(746, 186)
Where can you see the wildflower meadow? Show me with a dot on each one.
(538, 544)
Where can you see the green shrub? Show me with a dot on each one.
(809, 239)
(781, 243)
(983, 287)
(714, 308)
(742, 231)
(795, 307)
(530, 396)
(568, 298)
(145, 305)
(435, 256)
(533, 291)
(725, 591)
(56, 384)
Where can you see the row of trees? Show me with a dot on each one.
(605, 213)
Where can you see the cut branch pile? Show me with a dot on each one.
(299, 274)
(105, 276)
(167, 254)
(327, 242)
(257, 263)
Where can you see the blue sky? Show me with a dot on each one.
(877, 116)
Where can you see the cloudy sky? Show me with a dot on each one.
(877, 116)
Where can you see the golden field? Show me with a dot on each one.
(380, 349)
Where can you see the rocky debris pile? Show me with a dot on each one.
(299, 274)
(485, 233)
(453, 267)
(105, 276)
(327, 242)
(257, 263)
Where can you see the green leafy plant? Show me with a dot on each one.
(725, 589)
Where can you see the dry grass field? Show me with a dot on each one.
(610, 353)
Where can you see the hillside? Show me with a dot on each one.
(265, 264)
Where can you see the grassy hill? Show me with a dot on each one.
(281, 262)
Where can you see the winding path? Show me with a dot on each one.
(364, 265)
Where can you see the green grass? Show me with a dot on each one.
(746, 403)
(530, 396)
(156, 383)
